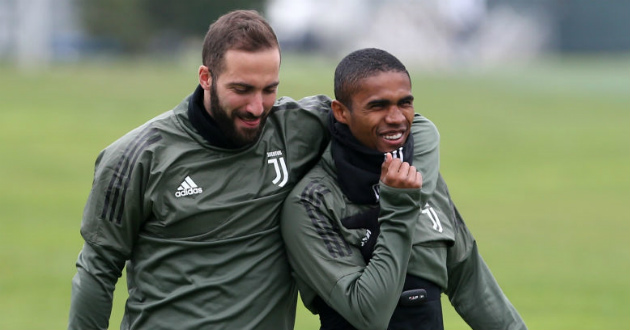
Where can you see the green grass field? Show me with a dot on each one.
(537, 159)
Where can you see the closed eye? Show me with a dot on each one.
(378, 104)
(241, 88)
(406, 102)
(271, 89)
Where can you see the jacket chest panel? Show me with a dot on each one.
(216, 196)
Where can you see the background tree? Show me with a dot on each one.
(138, 26)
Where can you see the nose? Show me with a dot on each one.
(394, 115)
(255, 106)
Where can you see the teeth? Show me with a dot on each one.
(393, 136)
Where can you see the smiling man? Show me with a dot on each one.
(247, 83)
(373, 243)
(380, 113)
(189, 202)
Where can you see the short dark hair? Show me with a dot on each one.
(241, 30)
(361, 64)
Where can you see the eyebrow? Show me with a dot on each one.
(406, 98)
(382, 102)
(379, 102)
(275, 84)
(250, 86)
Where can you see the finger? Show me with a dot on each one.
(385, 165)
(415, 177)
(405, 177)
(394, 166)
(397, 174)
(404, 170)
(412, 172)
(388, 157)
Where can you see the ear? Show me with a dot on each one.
(340, 111)
(205, 78)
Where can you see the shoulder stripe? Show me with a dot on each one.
(146, 144)
(118, 184)
(311, 199)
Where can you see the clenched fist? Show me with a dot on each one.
(398, 174)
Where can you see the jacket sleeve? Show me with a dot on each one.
(327, 266)
(93, 288)
(305, 123)
(111, 220)
(472, 289)
(426, 158)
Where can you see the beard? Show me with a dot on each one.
(227, 125)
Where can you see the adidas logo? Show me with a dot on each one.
(187, 188)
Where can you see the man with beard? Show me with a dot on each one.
(189, 202)
(373, 246)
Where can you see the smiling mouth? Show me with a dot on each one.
(250, 122)
(392, 137)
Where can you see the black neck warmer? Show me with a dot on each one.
(204, 124)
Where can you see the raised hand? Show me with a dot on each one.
(397, 174)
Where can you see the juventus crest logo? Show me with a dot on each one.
(398, 153)
(282, 175)
(435, 220)
(377, 191)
